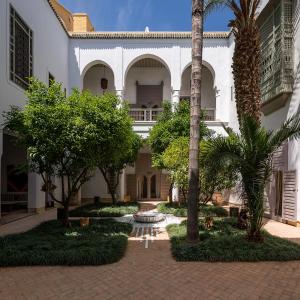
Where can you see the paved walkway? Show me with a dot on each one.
(151, 273)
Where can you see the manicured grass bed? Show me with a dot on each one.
(105, 210)
(181, 210)
(102, 242)
(226, 243)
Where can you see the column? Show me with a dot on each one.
(175, 98)
(123, 185)
(36, 197)
(175, 194)
(119, 93)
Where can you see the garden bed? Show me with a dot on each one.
(224, 242)
(102, 242)
(105, 210)
(180, 210)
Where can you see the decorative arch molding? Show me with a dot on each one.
(94, 63)
(89, 65)
(205, 64)
(140, 57)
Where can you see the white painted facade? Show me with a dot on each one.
(81, 60)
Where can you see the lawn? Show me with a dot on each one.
(102, 242)
(226, 243)
(105, 210)
(180, 210)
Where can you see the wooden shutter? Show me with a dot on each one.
(289, 195)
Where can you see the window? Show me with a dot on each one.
(50, 78)
(20, 50)
(276, 30)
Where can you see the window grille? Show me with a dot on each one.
(277, 51)
(20, 50)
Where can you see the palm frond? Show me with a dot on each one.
(212, 5)
(289, 130)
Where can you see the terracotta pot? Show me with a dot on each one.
(217, 199)
(84, 222)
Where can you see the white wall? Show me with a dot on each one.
(292, 107)
(120, 55)
(50, 54)
(50, 48)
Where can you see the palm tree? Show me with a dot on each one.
(193, 190)
(251, 151)
(200, 9)
(246, 56)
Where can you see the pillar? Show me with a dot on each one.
(122, 185)
(175, 98)
(175, 194)
(36, 197)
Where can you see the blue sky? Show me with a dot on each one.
(135, 15)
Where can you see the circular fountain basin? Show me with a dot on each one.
(148, 217)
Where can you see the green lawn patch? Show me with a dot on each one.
(180, 210)
(105, 210)
(103, 242)
(226, 243)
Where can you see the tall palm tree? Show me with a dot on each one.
(193, 190)
(246, 56)
(200, 9)
(251, 151)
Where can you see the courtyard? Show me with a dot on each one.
(152, 273)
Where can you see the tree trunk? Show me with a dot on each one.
(246, 62)
(194, 189)
(65, 220)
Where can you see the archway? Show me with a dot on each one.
(208, 94)
(147, 84)
(98, 78)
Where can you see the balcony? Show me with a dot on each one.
(151, 114)
(145, 114)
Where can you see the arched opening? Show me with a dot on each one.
(14, 179)
(99, 79)
(147, 84)
(145, 187)
(208, 94)
(153, 187)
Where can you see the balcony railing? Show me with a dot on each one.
(10, 198)
(145, 114)
(151, 114)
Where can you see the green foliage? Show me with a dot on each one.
(102, 242)
(180, 210)
(170, 126)
(105, 210)
(224, 242)
(176, 160)
(113, 142)
(251, 153)
(56, 136)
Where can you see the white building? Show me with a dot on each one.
(143, 68)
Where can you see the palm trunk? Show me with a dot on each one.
(193, 192)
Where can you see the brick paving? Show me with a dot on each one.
(152, 274)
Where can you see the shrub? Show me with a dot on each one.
(50, 243)
(225, 242)
(105, 210)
